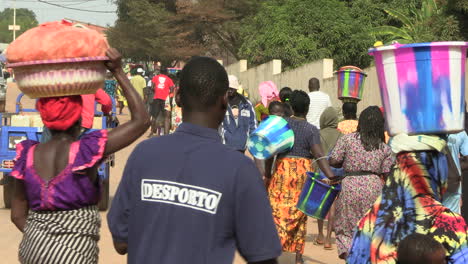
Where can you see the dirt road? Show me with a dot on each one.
(10, 236)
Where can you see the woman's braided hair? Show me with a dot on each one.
(371, 128)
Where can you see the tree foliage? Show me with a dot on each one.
(25, 18)
(459, 9)
(300, 31)
(295, 31)
(181, 29)
(458, 5)
(424, 24)
(139, 31)
(213, 24)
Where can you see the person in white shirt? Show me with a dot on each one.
(319, 101)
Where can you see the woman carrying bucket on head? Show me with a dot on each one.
(350, 90)
(350, 123)
(286, 183)
(365, 158)
(410, 201)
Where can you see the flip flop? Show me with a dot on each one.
(317, 242)
(327, 246)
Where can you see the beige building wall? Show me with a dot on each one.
(298, 79)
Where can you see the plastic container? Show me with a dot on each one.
(317, 197)
(350, 83)
(422, 86)
(62, 77)
(271, 137)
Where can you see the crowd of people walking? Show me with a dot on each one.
(178, 203)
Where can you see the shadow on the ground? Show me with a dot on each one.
(111, 199)
(311, 238)
(289, 258)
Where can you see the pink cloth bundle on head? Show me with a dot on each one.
(268, 92)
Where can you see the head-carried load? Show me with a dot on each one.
(58, 59)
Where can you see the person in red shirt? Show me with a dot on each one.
(162, 85)
(87, 114)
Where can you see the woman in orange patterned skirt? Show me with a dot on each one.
(289, 176)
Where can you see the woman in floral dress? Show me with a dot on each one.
(365, 158)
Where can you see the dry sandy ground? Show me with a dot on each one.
(10, 236)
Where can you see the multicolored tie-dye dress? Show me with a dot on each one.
(410, 203)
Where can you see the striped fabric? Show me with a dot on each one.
(55, 237)
(319, 101)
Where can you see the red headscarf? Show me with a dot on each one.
(60, 113)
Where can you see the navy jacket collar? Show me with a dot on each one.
(199, 131)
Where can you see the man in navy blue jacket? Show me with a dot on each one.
(239, 120)
(177, 203)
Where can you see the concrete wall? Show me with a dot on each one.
(298, 79)
(272, 71)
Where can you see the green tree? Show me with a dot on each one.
(427, 23)
(300, 31)
(459, 9)
(217, 23)
(184, 27)
(25, 18)
(371, 12)
(139, 30)
(458, 5)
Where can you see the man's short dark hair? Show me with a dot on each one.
(300, 102)
(202, 81)
(314, 84)
(163, 70)
(417, 248)
(275, 106)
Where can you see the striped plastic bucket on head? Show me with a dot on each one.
(422, 86)
(350, 83)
